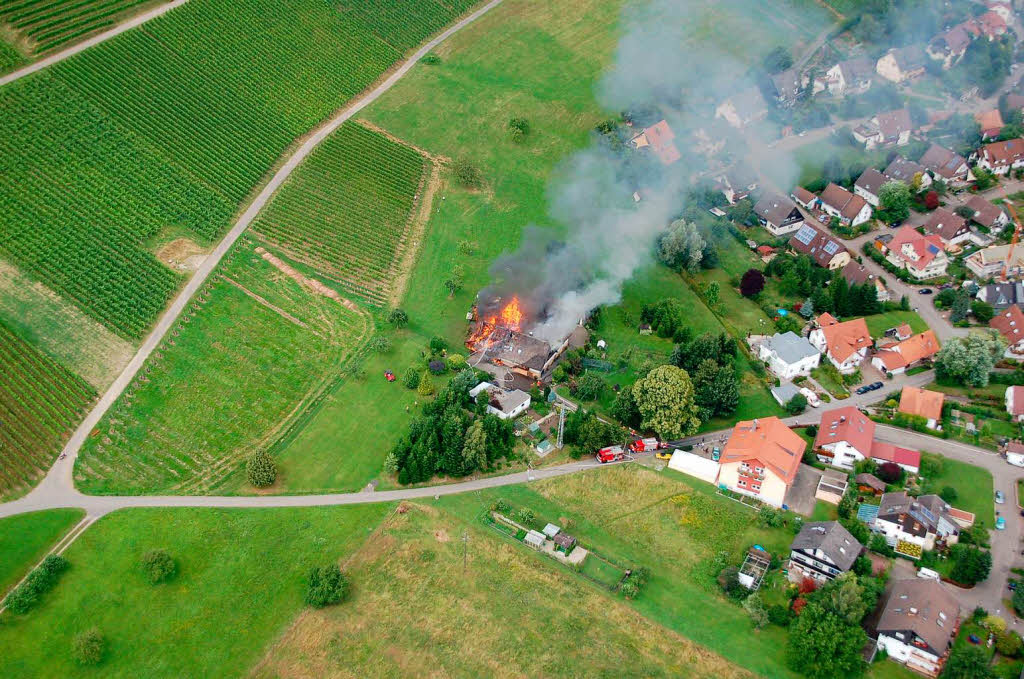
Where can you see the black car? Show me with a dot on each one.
(924, 291)
(863, 390)
(875, 385)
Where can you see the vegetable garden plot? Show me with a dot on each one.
(346, 209)
(40, 403)
(164, 126)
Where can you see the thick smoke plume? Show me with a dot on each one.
(658, 69)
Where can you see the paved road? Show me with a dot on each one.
(134, 22)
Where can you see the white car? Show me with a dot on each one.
(928, 574)
(812, 398)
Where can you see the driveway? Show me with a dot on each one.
(800, 497)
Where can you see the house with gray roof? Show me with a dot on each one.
(823, 550)
(778, 214)
(918, 624)
(788, 355)
(1002, 295)
(784, 393)
(868, 185)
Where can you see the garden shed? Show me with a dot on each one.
(551, 530)
(535, 539)
(564, 542)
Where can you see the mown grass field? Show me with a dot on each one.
(241, 579)
(41, 401)
(26, 538)
(973, 486)
(676, 527)
(503, 611)
(347, 209)
(879, 323)
(165, 127)
(251, 350)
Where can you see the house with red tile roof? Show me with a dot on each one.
(896, 358)
(846, 436)
(659, 139)
(891, 128)
(1010, 324)
(949, 226)
(846, 344)
(905, 458)
(922, 403)
(849, 208)
(922, 256)
(1002, 156)
(1015, 402)
(761, 459)
(949, 46)
(945, 164)
(991, 123)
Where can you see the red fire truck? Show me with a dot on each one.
(611, 454)
(646, 445)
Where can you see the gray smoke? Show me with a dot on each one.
(609, 236)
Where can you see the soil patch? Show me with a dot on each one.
(181, 254)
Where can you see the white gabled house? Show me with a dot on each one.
(788, 355)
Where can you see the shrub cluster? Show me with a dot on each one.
(158, 566)
(261, 470)
(88, 647)
(327, 586)
(38, 582)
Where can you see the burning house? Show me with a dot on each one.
(500, 341)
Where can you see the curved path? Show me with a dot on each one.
(57, 489)
(134, 22)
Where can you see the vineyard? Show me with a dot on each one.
(345, 210)
(9, 57)
(164, 127)
(46, 24)
(40, 404)
(253, 346)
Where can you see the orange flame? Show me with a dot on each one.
(512, 315)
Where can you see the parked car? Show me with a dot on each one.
(924, 291)
(945, 286)
(928, 574)
(664, 454)
(875, 385)
(999, 498)
(863, 390)
(1000, 523)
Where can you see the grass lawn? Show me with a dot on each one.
(879, 323)
(828, 377)
(423, 599)
(973, 486)
(890, 669)
(241, 580)
(824, 511)
(677, 527)
(26, 538)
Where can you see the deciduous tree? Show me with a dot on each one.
(665, 400)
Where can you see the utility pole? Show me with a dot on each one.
(561, 424)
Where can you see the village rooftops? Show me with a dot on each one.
(786, 84)
(882, 452)
(991, 122)
(820, 246)
(831, 538)
(909, 351)
(924, 608)
(803, 196)
(1000, 153)
(871, 180)
(774, 208)
(842, 201)
(985, 213)
(871, 481)
(945, 224)
(953, 41)
(921, 402)
(844, 339)
(944, 162)
(926, 248)
(846, 424)
(771, 442)
(790, 347)
(909, 58)
(892, 123)
(659, 138)
(1010, 324)
(1002, 295)
(903, 170)
(857, 70)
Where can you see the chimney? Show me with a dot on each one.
(755, 424)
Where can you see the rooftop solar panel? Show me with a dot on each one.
(805, 235)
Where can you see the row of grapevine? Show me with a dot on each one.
(40, 404)
(165, 127)
(49, 23)
(346, 208)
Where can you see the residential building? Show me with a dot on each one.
(903, 170)
(905, 458)
(948, 226)
(823, 550)
(784, 393)
(845, 344)
(892, 128)
(949, 46)
(923, 257)
(946, 165)
(737, 184)
(852, 76)
(506, 404)
(743, 108)
(847, 207)
(919, 621)
(857, 274)
(659, 140)
(991, 123)
(788, 355)
(1010, 324)
(845, 437)
(761, 459)
(1015, 402)
(902, 63)
(897, 358)
(803, 197)
(868, 185)
(787, 86)
(991, 24)
(922, 403)
(1002, 156)
(992, 217)
(826, 250)
(989, 262)
(869, 483)
(919, 521)
(778, 214)
(1002, 295)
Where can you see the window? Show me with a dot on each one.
(741, 483)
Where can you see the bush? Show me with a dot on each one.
(437, 367)
(779, 615)
(38, 582)
(411, 379)
(158, 566)
(769, 517)
(88, 647)
(970, 564)
(426, 385)
(501, 506)
(889, 472)
(525, 516)
(467, 174)
(1018, 600)
(518, 128)
(456, 362)
(398, 318)
(1009, 644)
(430, 59)
(260, 469)
(327, 586)
(949, 494)
(380, 344)
(752, 283)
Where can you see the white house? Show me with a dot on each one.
(852, 76)
(845, 437)
(503, 403)
(902, 63)
(845, 344)
(823, 550)
(919, 521)
(1002, 156)
(869, 184)
(918, 623)
(788, 355)
(1015, 402)
(849, 208)
(923, 257)
(778, 214)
